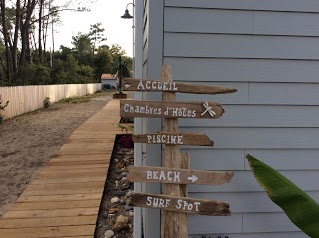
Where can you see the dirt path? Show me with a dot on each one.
(28, 142)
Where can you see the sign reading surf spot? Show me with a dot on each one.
(179, 204)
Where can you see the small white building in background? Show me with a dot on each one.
(108, 81)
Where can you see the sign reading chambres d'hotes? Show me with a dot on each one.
(179, 204)
(178, 176)
(169, 138)
(130, 108)
(130, 84)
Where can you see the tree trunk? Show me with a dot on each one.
(40, 30)
(6, 42)
(25, 33)
(16, 37)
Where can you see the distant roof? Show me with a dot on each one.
(108, 76)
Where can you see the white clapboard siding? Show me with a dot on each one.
(240, 46)
(235, 159)
(243, 202)
(252, 235)
(261, 138)
(259, 116)
(241, 22)
(210, 224)
(284, 93)
(267, 222)
(23, 99)
(207, 20)
(278, 5)
(236, 70)
(261, 93)
(269, 51)
(244, 181)
(254, 222)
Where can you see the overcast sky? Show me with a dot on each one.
(108, 12)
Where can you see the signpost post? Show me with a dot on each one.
(175, 174)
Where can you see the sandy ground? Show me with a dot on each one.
(29, 141)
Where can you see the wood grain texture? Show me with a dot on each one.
(173, 224)
(157, 109)
(178, 176)
(179, 204)
(131, 84)
(174, 138)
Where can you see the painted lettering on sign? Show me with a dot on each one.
(165, 139)
(130, 84)
(165, 202)
(130, 108)
(181, 176)
(178, 204)
(157, 202)
(173, 111)
(173, 138)
(163, 175)
(156, 85)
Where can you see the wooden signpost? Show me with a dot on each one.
(174, 139)
(130, 108)
(130, 84)
(179, 204)
(176, 174)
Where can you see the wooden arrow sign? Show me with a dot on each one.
(130, 84)
(177, 176)
(179, 204)
(131, 108)
(173, 139)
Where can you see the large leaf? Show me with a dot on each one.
(301, 209)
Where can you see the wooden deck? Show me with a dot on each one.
(64, 199)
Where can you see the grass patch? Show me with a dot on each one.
(87, 98)
(75, 99)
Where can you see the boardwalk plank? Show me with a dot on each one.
(63, 201)
(45, 232)
(23, 206)
(57, 198)
(87, 211)
(50, 221)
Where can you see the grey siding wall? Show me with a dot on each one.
(269, 50)
(152, 65)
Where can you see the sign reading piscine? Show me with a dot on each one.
(130, 108)
(176, 174)
(174, 139)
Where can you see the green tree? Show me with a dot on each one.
(103, 61)
(122, 69)
(96, 35)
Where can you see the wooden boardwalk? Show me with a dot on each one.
(64, 199)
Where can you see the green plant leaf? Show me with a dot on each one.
(301, 209)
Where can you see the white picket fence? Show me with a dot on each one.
(25, 99)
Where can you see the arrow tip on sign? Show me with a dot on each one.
(193, 178)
